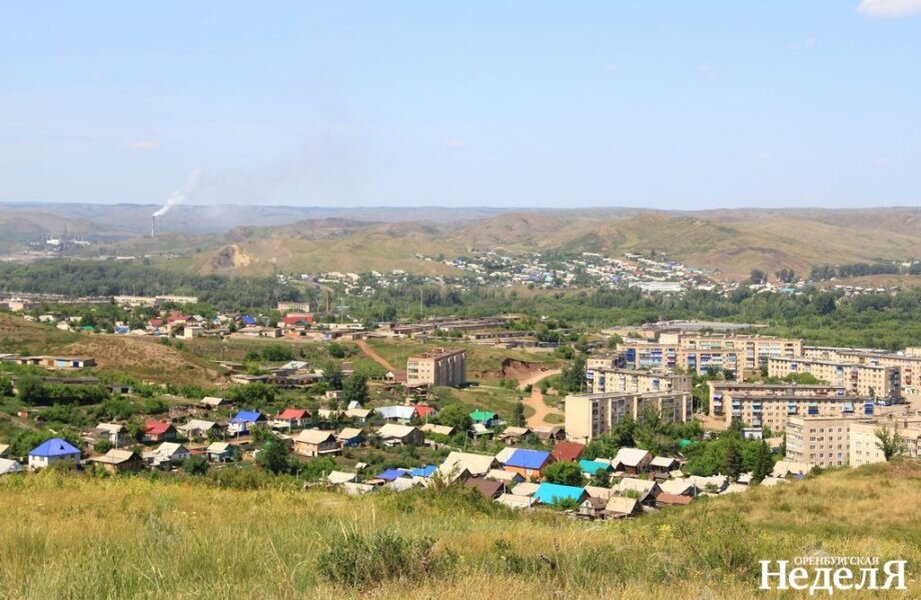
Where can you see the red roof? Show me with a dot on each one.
(175, 318)
(424, 410)
(672, 499)
(155, 322)
(156, 427)
(295, 318)
(567, 451)
(293, 413)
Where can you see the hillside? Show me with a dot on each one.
(18, 336)
(183, 539)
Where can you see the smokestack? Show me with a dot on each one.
(153, 226)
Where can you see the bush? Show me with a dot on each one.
(196, 465)
(363, 560)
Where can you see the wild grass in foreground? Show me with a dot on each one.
(69, 537)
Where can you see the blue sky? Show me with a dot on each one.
(674, 105)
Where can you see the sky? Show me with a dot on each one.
(671, 105)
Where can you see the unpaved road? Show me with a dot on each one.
(370, 353)
(536, 399)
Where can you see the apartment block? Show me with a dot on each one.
(819, 441)
(873, 381)
(908, 362)
(591, 415)
(745, 355)
(437, 367)
(605, 360)
(770, 405)
(864, 443)
(631, 381)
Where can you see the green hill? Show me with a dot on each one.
(72, 537)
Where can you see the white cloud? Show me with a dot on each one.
(142, 144)
(889, 8)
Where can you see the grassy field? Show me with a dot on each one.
(18, 336)
(66, 537)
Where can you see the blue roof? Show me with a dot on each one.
(54, 447)
(425, 471)
(248, 320)
(591, 466)
(527, 459)
(247, 416)
(551, 493)
(391, 474)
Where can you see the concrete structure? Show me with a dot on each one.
(438, 367)
(864, 446)
(591, 415)
(873, 381)
(632, 381)
(770, 405)
(908, 362)
(819, 441)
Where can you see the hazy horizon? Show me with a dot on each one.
(412, 104)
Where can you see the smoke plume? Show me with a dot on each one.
(178, 196)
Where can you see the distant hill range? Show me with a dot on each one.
(261, 240)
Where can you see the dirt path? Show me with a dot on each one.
(370, 353)
(536, 399)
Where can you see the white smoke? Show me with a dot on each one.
(178, 196)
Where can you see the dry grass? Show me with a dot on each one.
(121, 538)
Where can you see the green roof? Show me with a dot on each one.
(481, 416)
(684, 443)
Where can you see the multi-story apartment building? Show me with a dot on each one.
(873, 381)
(632, 381)
(745, 355)
(591, 415)
(770, 405)
(865, 448)
(605, 360)
(819, 441)
(438, 367)
(908, 362)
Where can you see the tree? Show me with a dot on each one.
(275, 456)
(764, 463)
(332, 374)
(196, 465)
(888, 440)
(756, 276)
(103, 446)
(573, 377)
(786, 275)
(6, 386)
(32, 391)
(355, 388)
(564, 473)
(337, 350)
(731, 465)
(519, 414)
(601, 478)
(456, 416)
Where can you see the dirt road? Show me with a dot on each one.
(536, 399)
(370, 353)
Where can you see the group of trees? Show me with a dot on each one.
(826, 272)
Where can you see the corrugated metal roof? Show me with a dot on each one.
(551, 493)
(53, 448)
(247, 416)
(528, 459)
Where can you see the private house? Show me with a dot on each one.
(110, 432)
(166, 454)
(485, 418)
(513, 435)
(8, 467)
(358, 414)
(437, 429)
(53, 451)
(212, 402)
(244, 421)
(340, 477)
(398, 414)
(425, 472)
(490, 488)
(291, 418)
(158, 431)
(554, 493)
(567, 451)
(599, 492)
(219, 452)
(528, 463)
(591, 467)
(4, 450)
(462, 465)
(314, 442)
(711, 485)
(525, 488)
(391, 475)
(120, 461)
(507, 477)
(56, 363)
(661, 467)
(643, 490)
(631, 460)
(516, 502)
(619, 507)
(425, 412)
(678, 487)
(197, 429)
(546, 433)
(478, 430)
(593, 507)
(393, 434)
(665, 499)
(351, 437)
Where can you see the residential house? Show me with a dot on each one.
(399, 414)
(158, 431)
(484, 417)
(478, 430)
(661, 467)
(393, 434)
(644, 490)
(358, 414)
(110, 432)
(631, 460)
(595, 491)
(666, 499)
(4, 450)
(220, 452)
(507, 477)
(425, 412)
(525, 488)
(513, 435)
(351, 437)
(516, 502)
(392, 474)
(530, 464)
(212, 402)
(619, 507)
(198, 429)
(314, 442)
(120, 461)
(8, 467)
(713, 484)
(590, 468)
(53, 451)
(461, 465)
(490, 488)
(554, 493)
(425, 472)
(567, 451)
(340, 477)
(678, 487)
(243, 422)
(549, 432)
(593, 507)
(291, 418)
(168, 452)
(444, 430)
